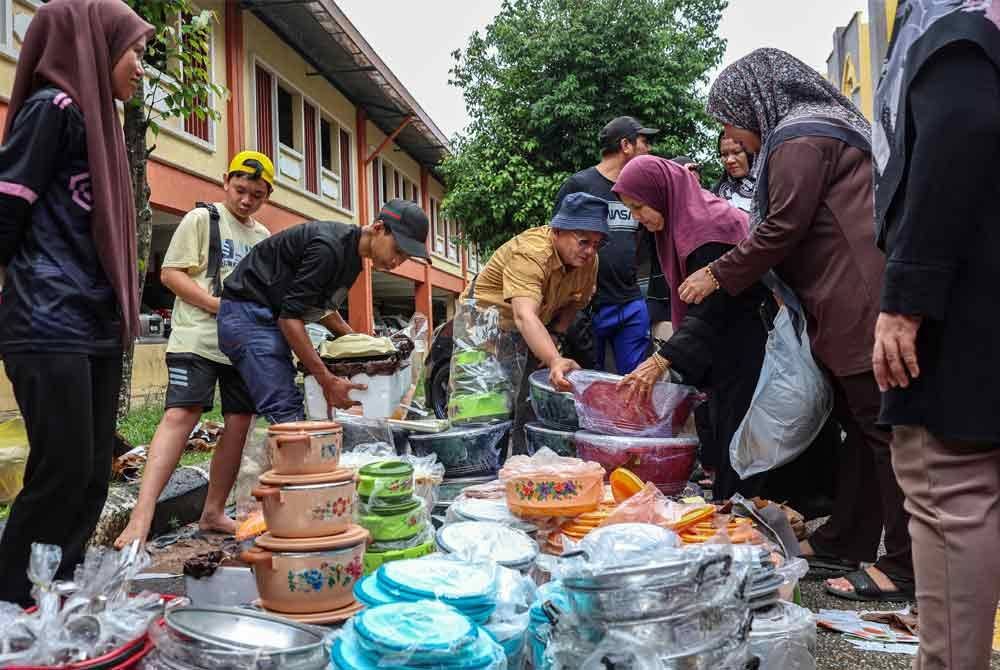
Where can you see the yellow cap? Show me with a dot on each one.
(255, 163)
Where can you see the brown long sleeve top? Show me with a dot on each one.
(819, 239)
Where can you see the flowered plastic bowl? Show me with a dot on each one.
(554, 495)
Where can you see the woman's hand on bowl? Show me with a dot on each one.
(558, 369)
(638, 384)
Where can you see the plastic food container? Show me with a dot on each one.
(375, 559)
(305, 447)
(550, 485)
(388, 481)
(603, 408)
(309, 510)
(472, 451)
(667, 462)
(560, 441)
(394, 522)
(555, 409)
(308, 576)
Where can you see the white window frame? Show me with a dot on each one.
(179, 132)
(337, 124)
(436, 230)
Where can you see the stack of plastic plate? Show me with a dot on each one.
(490, 509)
(421, 634)
(470, 588)
(489, 540)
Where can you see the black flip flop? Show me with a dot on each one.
(829, 567)
(867, 591)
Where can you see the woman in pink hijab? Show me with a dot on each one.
(718, 345)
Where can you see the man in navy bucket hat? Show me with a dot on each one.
(538, 281)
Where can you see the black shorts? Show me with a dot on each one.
(192, 384)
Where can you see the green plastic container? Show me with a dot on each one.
(386, 481)
(374, 559)
(479, 407)
(390, 523)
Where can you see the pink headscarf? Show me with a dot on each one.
(692, 217)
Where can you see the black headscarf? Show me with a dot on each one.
(922, 28)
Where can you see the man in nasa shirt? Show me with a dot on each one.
(620, 317)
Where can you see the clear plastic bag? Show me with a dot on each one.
(486, 367)
(790, 404)
(602, 406)
(358, 431)
(425, 634)
(784, 638)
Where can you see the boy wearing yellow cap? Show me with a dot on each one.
(207, 245)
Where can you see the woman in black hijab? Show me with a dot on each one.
(936, 354)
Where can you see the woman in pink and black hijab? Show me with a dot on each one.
(719, 344)
(67, 238)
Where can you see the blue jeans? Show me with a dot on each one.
(250, 337)
(626, 329)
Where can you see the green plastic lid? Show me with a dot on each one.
(386, 469)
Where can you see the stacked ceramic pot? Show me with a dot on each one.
(307, 563)
(684, 606)
(397, 520)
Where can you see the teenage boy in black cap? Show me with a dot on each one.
(301, 275)
(619, 311)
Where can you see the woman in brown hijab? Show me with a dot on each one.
(67, 238)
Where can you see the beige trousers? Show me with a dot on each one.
(953, 496)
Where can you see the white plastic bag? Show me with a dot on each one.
(789, 407)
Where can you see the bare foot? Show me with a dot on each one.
(217, 524)
(137, 529)
(877, 576)
(805, 549)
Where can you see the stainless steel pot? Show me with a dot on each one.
(644, 592)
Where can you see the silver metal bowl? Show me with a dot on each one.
(281, 642)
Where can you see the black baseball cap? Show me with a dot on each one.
(408, 225)
(624, 127)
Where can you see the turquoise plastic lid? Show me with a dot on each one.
(434, 577)
(425, 630)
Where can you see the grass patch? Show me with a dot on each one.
(140, 424)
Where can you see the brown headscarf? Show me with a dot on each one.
(74, 45)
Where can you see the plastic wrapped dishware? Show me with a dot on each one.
(488, 541)
(538, 435)
(424, 634)
(467, 451)
(547, 484)
(602, 406)
(555, 409)
(445, 578)
(666, 461)
(784, 638)
(487, 509)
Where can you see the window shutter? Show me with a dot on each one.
(265, 115)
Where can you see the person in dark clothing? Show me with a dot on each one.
(70, 298)
(620, 318)
(935, 355)
(812, 226)
(718, 345)
(302, 275)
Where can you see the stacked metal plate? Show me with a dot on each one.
(634, 594)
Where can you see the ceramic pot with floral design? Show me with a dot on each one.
(309, 581)
(305, 447)
(309, 510)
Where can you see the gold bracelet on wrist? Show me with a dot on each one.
(711, 275)
(661, 363)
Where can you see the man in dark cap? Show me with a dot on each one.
(538, 281)
(619, 310)
(301, 275)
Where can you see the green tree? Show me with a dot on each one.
(546, 75)
(178, 69)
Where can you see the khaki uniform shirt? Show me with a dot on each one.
(528, 266)
(192, 329)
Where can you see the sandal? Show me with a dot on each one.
(867, 591)
(826, 566)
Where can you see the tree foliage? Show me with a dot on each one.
(179, 82)
(545, 76)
